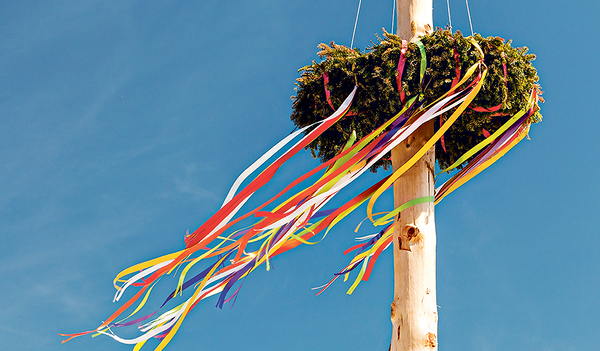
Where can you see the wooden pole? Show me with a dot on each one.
(414, 308)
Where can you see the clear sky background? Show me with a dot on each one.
(124, 123)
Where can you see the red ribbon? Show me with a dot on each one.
(400, 69)
(327, 92)
(495, 108)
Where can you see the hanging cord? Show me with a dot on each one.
(394, 14)
(449, 18)
(469, 13)
(355, 23)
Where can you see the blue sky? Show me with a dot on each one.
(124, 123)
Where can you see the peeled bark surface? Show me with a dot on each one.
(415, 18)
(414, 309)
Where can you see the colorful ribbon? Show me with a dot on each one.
(301, 214)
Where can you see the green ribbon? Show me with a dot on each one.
(388, 217)
(423, 59)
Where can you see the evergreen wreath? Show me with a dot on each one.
(510, 80)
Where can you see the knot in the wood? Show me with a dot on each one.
(431, 340)
(409, 233)
(413, 28)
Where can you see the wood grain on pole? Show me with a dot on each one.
(414, 308)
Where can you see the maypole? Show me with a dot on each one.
(414, 308)
(352, 109)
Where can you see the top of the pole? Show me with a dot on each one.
(415, 18)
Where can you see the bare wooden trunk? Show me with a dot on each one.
(415, 18)
(414, 308)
